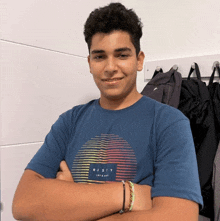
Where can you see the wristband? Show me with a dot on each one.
(123, 208)
(132, 195)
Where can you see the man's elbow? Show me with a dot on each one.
(16, 212)
(20, 211)
(25, 198)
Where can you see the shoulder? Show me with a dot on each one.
(68, 118)
(163, 113)
(78, 109)
(166, 119)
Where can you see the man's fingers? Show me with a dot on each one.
(63, 166)
(64, 173)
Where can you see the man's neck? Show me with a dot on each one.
(118, 104)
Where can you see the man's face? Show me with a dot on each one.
(114, 65)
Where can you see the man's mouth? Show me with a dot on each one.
(112, 80)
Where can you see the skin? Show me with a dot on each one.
(113, 56)
(64, 173)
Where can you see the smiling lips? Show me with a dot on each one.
(113, 79)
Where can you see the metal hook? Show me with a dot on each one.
(158, 68)
(193, 65)
(215, 64)
(175, 67)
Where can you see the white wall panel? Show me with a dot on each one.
(56, 25)
(37, 86)
(14, 159)
(174, 29)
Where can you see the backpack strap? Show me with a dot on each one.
(157, 72)
(196, 70)
(213, 74)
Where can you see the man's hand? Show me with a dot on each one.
(64, 173)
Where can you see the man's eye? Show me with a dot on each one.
(123, 55)
(98, 57)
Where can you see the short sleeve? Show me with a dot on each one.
(47, 159)
(176, 169)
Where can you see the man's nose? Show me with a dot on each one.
(111, 65)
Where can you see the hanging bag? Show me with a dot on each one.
(214, 90)
(195, 104)
(164, 87)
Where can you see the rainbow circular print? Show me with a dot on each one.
(105, 158)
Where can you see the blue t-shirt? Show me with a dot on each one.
(147, 143)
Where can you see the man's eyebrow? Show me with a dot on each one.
(116, 50)
(123, 49)
(97, 51)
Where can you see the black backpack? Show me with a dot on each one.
(164, 87)
(214, 90)
(196, 104)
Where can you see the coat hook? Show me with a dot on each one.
(215, 64)
(175, 67)
(193, 65)
(158, 68)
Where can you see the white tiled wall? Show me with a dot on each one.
(44, 72)
(14, 160)
(37, 86)
(174, 29)
(55, 25)
(44, 69)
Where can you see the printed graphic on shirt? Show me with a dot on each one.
(105, 158)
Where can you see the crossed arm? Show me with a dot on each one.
(37, 198)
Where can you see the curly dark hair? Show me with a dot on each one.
(113, 17)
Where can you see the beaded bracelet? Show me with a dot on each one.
(132, 195)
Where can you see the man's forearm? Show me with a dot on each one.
(168, 209)
(129, 216)
(50, 199)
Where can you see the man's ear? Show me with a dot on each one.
(140, 60)
(88, 59)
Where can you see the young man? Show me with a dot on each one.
(121, 136)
